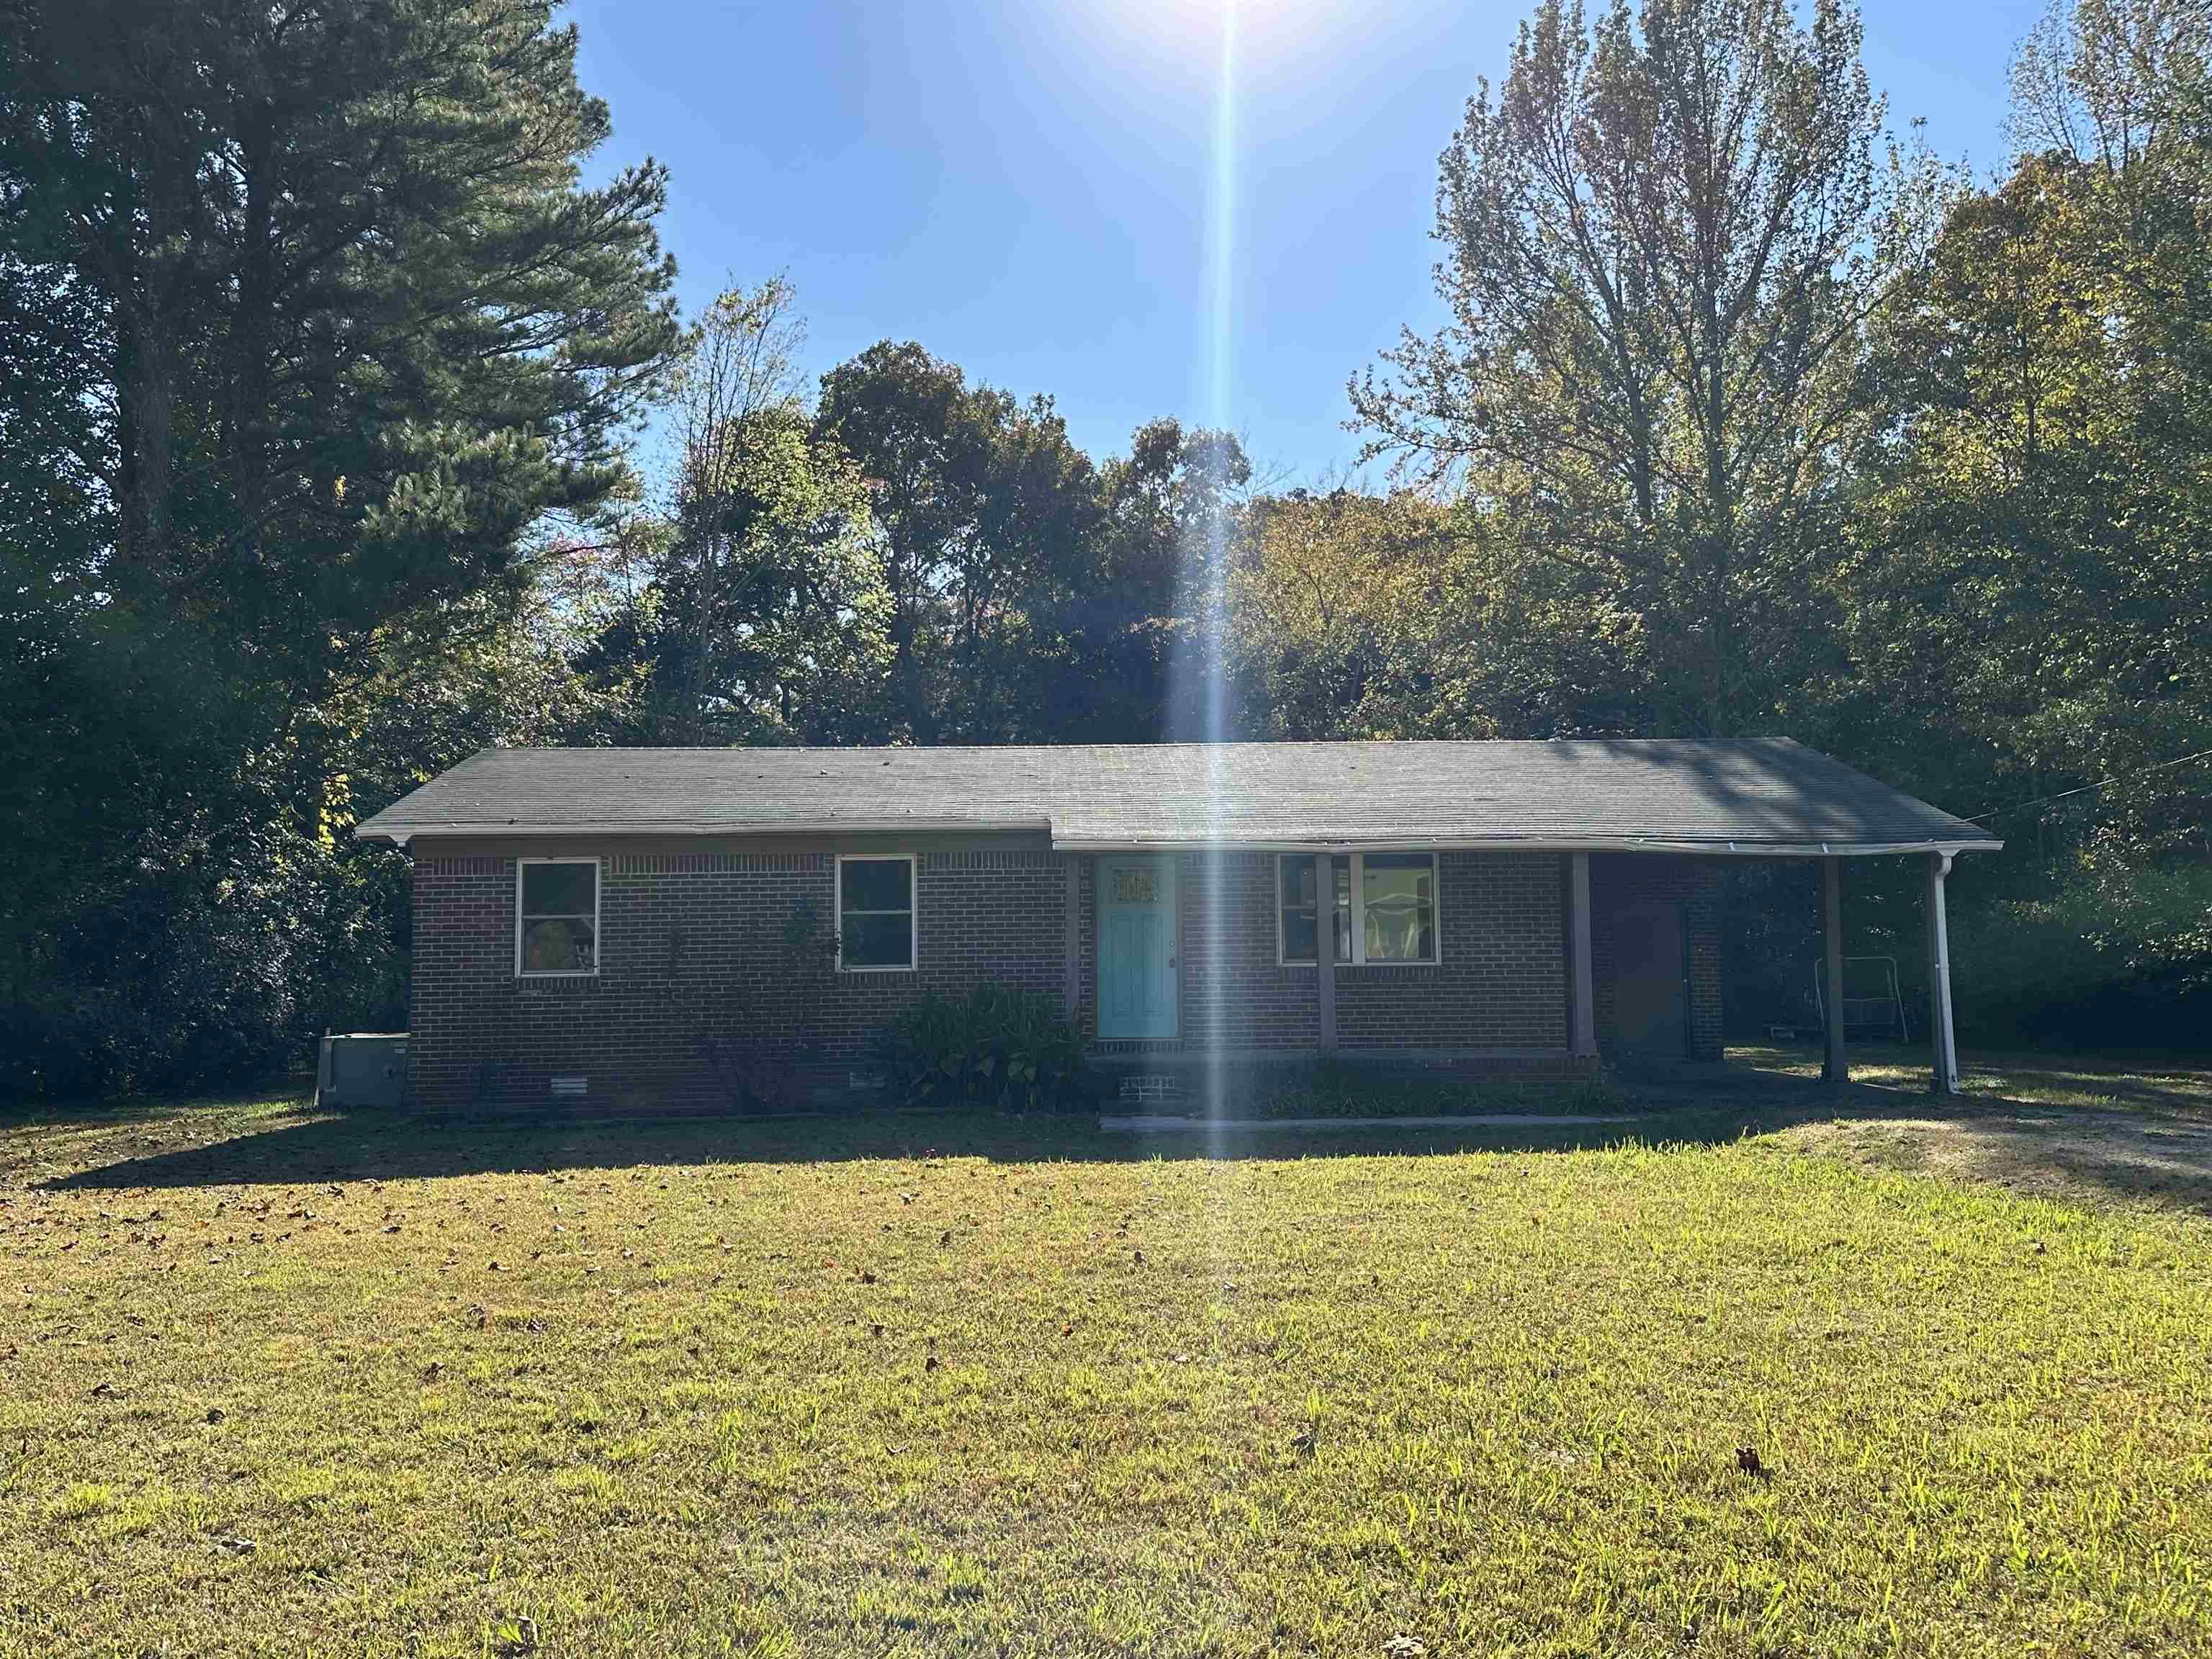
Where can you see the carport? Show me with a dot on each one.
(1647, 973)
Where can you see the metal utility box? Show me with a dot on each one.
(363, 1068)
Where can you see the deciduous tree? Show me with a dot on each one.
(1663, 234)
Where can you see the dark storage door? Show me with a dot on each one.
(1649, 1002)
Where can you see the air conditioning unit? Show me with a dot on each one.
(363, 1068)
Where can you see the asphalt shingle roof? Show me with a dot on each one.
(1766, 794)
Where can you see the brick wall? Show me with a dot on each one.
(1621, 879)
(691, 951)
(690, 954)
(1233, 992)
(1501, 979)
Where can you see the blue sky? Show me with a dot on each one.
(1028, 189)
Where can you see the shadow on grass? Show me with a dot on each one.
(2023, 1142)
(396, 1148)
(2169, 1084)
(379, 1147)
(347, 1150)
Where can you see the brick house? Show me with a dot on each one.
(603, 922)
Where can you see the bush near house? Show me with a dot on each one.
(1000, 1046)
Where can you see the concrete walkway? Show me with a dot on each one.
(1157, 1125)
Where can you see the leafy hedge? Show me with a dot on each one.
(999, 1046)
(2114, 955)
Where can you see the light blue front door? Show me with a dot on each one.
(1136, 948)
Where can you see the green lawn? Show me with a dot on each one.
(273, 1383)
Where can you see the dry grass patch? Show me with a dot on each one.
(277, 1384)
(2046, 1125)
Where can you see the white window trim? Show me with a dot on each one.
(912, 906)
(1326, 909)
(598, 886)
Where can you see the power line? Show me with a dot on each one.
(2118, 777)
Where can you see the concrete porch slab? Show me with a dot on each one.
(1147, 1124)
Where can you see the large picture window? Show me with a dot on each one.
(557, 917)
(1383, 910)
(875, 913)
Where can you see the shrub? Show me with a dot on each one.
(755, 1054)
(2114, 953)
(998, 1046)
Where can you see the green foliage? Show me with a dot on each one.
(314, 347)
(1735, 429)
(1034, 596)
(2116, 953)
(360, 325)
(760, 612)
(999, 1046)
(1662, 235)
(1356, 615)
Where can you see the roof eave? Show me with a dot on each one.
(1951, 846)
(400, 832)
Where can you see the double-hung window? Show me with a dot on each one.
(557, 917)
(1382, 908)
(875, 913)
(1299, 910)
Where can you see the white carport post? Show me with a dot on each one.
(1943, 1074)
(1578, 908)
(1832, 1067)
